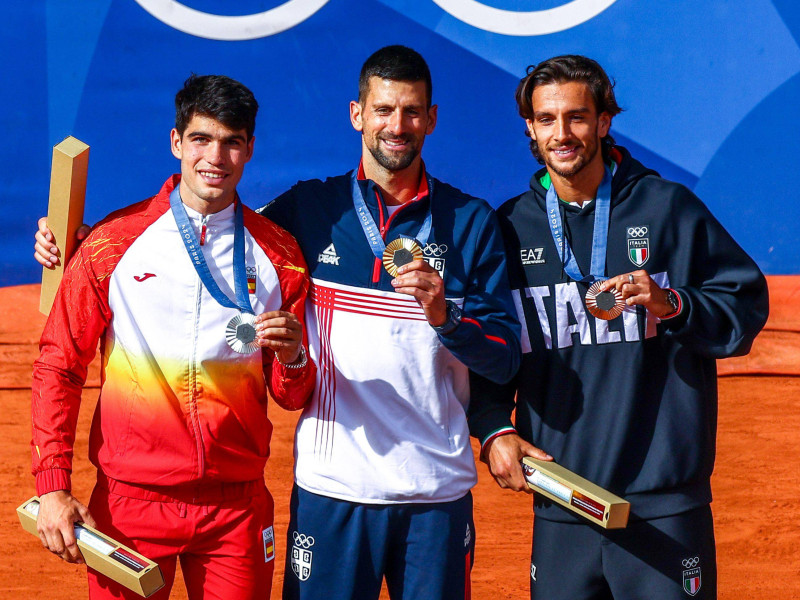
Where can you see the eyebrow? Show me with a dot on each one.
(230, 138)
(579, 110)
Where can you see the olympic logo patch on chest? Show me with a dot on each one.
(638, 244)
(434, 256)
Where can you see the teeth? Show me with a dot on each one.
(211, 175)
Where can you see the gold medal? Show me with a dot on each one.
(400, 252)
(241, 333)
(604, 305)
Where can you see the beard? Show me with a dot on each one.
(590, 150)
(394, 161)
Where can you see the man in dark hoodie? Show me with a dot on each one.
(619, 387)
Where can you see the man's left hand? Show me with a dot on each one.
(637, 288)
(282, 332)
(422, 281)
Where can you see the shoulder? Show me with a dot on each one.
(306, 193)
(279, 245)
(444, 193)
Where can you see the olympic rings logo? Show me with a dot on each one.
(302, 540)
(637, 231)
(227, 28)
(524, 23)
(293, 12)
(435, 249)
(690, 563)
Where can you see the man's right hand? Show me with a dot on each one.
(46, 252)
(503, 455)
(58, 512)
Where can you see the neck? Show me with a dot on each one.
(204, 207)
(582, 186)
(398, 187)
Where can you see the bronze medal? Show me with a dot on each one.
(241, 333)
(400, 252)
(604, 305)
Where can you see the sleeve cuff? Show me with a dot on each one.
(52, 480)
(496, 434)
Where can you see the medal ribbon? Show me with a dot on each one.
(602, 214)
(371, 230)
(192, 245)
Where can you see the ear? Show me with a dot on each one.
(529, 125)
(603, 124)
(251, 142)
(356, 113)
(433, 113)
(175, 143)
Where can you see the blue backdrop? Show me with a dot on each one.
(711, 90)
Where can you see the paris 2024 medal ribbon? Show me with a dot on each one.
(400, 252)
(241, 333)
(604, 305)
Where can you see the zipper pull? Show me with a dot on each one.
(203, 228)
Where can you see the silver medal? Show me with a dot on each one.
(241, 333)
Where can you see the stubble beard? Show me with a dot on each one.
(393, 162)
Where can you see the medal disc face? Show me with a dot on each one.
(400, 252)
(604, 305)
(241, 333)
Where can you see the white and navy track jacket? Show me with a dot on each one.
(387, 422)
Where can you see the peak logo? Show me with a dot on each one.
(329, 256)
(524, 23)
(231, 28)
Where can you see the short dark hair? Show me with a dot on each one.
(398, 63)
(564, 69)
(219, 97)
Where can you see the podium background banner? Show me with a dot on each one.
(710, 87)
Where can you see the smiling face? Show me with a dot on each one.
(394, 119)
(212, 161)
(567, 129)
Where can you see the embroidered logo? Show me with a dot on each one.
(144, 277)
(467, 537)
(302, 555)
(251, 279)
(531, 256)
(638, 245)
(268, 537)
(433, 253)
(533, 572)
(691, 575)
(329, 256)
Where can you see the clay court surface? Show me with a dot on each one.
(756, 482)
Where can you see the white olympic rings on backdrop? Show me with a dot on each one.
(523, 23)
(293, 12)
(231, 28)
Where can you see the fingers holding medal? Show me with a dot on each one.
(635, 288)
(280, 331)
(415, 277)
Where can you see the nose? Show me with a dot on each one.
(562, 130)
(396, 124)
(214, 153)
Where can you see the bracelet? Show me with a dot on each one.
(303, 358)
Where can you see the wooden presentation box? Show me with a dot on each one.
(105, 555)
(575, 493)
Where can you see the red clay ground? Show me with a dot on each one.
(755, 484)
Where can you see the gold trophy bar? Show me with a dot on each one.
(65, 210)
(103, 554)
(575, 493)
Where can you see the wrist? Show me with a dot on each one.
(299, 362)
(674, 302)
(452, 319)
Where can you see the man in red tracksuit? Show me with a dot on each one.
(181, 434)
